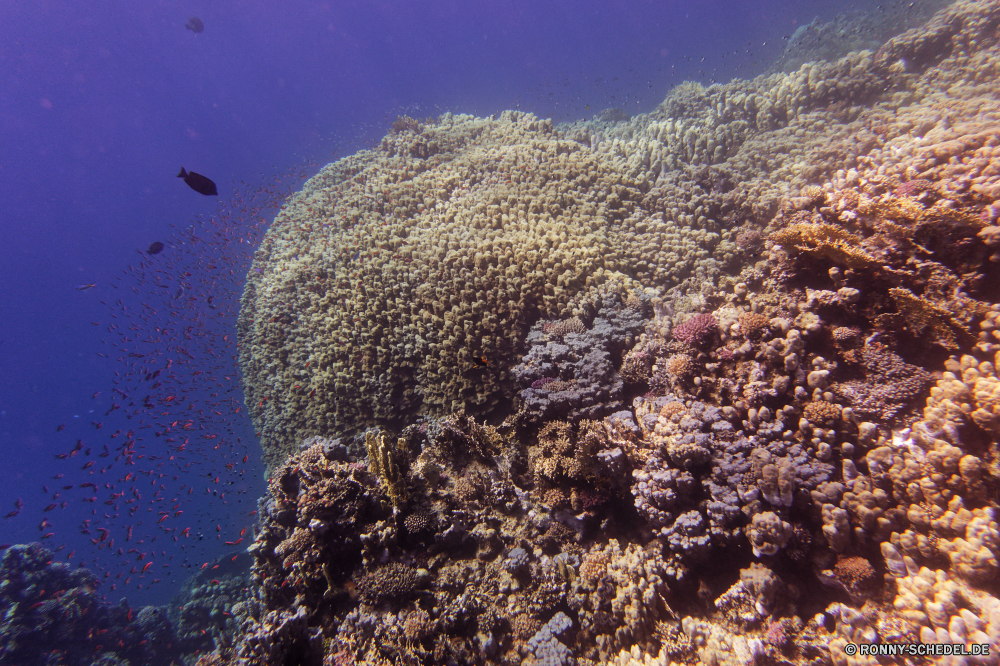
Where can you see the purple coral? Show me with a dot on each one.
(697, 330)
(545, 646)
(539, 383)
(914, 188)
(584, 383)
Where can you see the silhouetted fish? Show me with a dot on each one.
(156, 247)
(198, 183)
(194, 24)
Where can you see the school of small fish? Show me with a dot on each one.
(169, 452)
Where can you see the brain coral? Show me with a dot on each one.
(381, 281)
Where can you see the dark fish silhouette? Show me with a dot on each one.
(198, 183)
(155, 248)
(480, 361)
(194, 24)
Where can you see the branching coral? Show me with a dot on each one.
(383, 460)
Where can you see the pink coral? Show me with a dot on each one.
(697, 330)
(914, 188)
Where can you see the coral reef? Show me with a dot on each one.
(201, 613)
(53, 614)
(390, 273)
(570, 370)
(714, 384)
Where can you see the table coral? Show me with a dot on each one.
(825, 241)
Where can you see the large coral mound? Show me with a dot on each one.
(384, 284)
(384, 280)
(786, 445)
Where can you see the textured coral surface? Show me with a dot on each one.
(715, 384)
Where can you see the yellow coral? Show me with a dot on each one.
(383, 461)
(558, 453)
(826, 241)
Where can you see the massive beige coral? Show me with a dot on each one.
(383, 281)
(393, 269)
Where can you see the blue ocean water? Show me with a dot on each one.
(101, 103)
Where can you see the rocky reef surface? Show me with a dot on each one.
(52, 613)
(715, 384)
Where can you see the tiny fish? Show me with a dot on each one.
(155, 248)
(195, 25)
(480, 361)
(85, 287)
(198, 183)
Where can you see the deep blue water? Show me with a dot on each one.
(101, 103)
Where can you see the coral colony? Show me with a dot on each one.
(716, 384)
